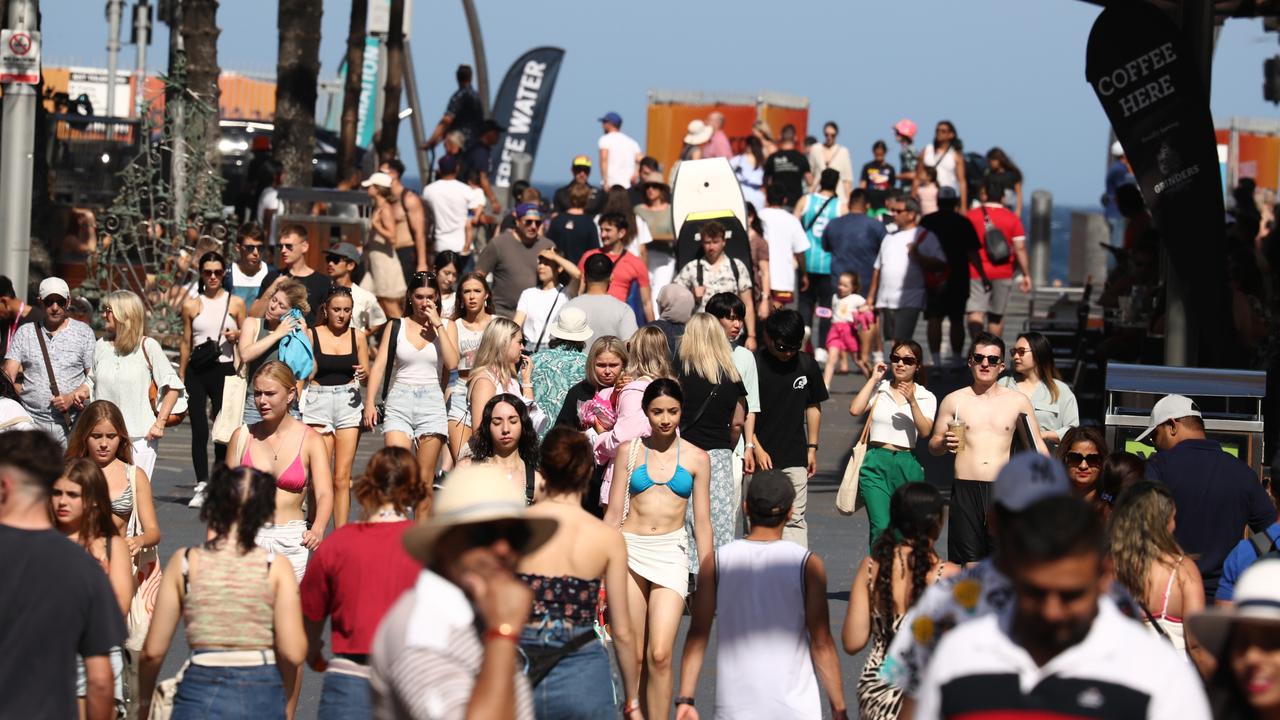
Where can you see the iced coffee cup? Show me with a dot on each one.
(957, 427)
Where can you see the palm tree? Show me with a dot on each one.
(390, 133)
(200, 40)
(351, 92)
(297, 75)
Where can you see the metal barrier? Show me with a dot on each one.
(87, 154)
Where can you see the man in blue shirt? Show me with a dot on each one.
(1246, 552)
(1215, 494)
(853, 239)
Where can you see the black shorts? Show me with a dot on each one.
(969, 536)
(947, 302)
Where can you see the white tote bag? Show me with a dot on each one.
(234, 388)
(847, 496)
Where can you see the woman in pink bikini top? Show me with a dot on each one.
(285, 447)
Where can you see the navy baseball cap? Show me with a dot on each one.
(612, 118)
(448, 164)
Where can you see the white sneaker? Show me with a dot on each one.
(197, 498)
(820, 354)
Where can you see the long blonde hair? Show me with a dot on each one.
(492, 353)
(704, 350)
(1140, 534)
(648, 355)
(131, 320)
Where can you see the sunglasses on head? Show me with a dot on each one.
(1075, 458)
(61, 302)
(339, 290)
(902, 359)
(428, 275)
(486, 534)
(977, 359)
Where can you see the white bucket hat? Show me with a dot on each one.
(475, 495)
(698, 133)
(1256, 600)
(571, 324)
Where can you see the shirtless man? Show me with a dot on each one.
(990, 413)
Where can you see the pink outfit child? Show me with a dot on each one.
(631, 423)
(846, 320)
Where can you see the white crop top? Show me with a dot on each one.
(414, 366)
(891, 423)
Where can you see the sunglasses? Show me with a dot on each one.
(335, 259)
(61, 301)
(288, 246)
(486, 534)
(1018, 352)
(786, 348)
(1074, 459)
(977, 359)
(902, 359)
(250, 248)
(531, 221)
(212, 273)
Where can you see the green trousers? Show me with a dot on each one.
(884, 471)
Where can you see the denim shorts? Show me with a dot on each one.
(345, 697)
(581, 685)
(459, 409)
(117, 674)
(333, 407)
(416, 411)
(229, 693)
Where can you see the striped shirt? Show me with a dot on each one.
(816, 260)
(427, 655)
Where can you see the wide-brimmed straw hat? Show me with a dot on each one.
(698, 133)
(475, 495)
(1256, 600)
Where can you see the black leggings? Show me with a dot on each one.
(818, 296)
(202, 386)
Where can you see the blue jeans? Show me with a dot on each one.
(234, 693)
(580, 686)
(345, 697)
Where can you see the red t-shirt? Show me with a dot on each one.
(355, 576)
(627, 268)
(1009, 224)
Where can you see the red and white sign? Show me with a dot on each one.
(19, 57)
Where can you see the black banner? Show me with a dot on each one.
(521, 107)
(1150, 87)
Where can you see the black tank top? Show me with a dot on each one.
(335, 369)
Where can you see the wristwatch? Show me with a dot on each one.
(684, 700)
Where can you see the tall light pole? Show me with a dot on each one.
(114, 9)
(17, 154)
(141, 38)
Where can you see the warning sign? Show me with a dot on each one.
(19, 57)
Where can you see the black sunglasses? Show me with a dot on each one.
(486, 534)
(903, 359)
(55, 300)
(250, 248)
(785, 348)
(977, 359)
(335, 259)
(1074, 459)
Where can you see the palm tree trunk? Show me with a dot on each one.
(351, 92)
(297, 75)
(200, 39)
(389, 135)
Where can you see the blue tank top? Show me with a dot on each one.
(816, 260)
(681, 483)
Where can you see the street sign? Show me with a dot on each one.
(19, 57)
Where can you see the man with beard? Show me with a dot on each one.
(1060, 648)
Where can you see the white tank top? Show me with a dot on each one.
(468, 344)
(946, 166)
(761, 635)
(205, 325)
(414, 366)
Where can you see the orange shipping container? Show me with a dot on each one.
(670, 113)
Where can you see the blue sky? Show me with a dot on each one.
(1006, 72)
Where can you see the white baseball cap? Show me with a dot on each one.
(1170, 407)
(54, 286)
(378, 179)
(1117, 149)
(1028, 478)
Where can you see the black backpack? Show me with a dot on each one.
(996, 243)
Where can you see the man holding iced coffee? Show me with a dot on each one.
(977, 423)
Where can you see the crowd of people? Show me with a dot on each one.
(581, 441)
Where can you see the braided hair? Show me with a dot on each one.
(915, 518)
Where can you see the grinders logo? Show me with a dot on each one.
(800, 383)
(1169, 163)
